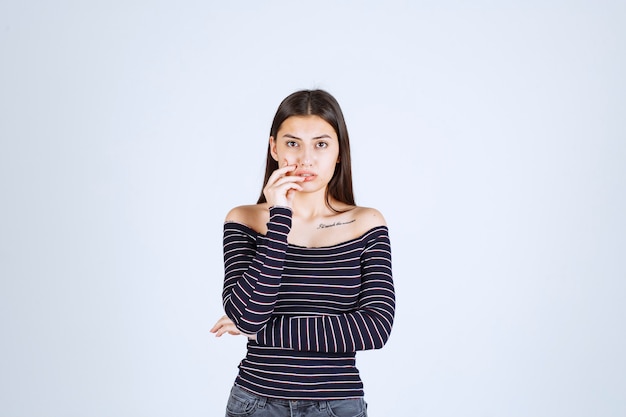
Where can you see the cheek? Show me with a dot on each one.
(285, 155)
(330, 166)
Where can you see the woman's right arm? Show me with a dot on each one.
(253, 270)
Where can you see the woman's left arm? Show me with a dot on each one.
(367, 327)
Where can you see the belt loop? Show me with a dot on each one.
(262, 401)
(323, 404)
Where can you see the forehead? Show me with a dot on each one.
(306, 126)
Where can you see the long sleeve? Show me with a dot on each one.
(368, 326)
(253, 268)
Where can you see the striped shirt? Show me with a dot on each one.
(310, 308)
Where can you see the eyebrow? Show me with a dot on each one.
(290, 136)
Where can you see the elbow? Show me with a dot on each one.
(380, 330)
(382, 341)
(385, 328)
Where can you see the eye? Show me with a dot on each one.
(322, 145)
(291, 143)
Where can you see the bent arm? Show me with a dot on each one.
(366, 327)
(253, 271)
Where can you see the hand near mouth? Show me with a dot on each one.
(282, 185)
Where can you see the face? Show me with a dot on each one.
(310, 143)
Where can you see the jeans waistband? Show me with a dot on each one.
(262, 400)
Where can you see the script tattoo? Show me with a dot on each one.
(325, 226)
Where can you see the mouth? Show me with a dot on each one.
(308, 176)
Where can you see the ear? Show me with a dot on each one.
(273, 148)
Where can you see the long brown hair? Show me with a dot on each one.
(322, 104)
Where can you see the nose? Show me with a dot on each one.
(305, 160)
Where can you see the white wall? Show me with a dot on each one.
(491, 136)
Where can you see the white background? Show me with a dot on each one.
(491, 135)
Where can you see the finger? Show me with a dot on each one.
(230, 329)
(225, 325)
(221, 320)
(220, 331)
(292, 190)
(286, 180)
(224, 320)
(280, 173)
(282, 186)
(291, 167)
(217, 329)
(285, 168)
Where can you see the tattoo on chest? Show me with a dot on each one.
(327, 225)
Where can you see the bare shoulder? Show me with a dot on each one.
(254, 216)
(368, 218)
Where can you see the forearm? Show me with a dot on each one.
(253, 272)
(359, 330)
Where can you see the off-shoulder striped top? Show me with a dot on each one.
(310, 308)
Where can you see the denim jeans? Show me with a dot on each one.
(242, 403)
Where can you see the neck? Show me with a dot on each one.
(310, 205)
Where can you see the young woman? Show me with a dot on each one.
(307, 272)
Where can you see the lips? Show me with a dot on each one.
(308, 176)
